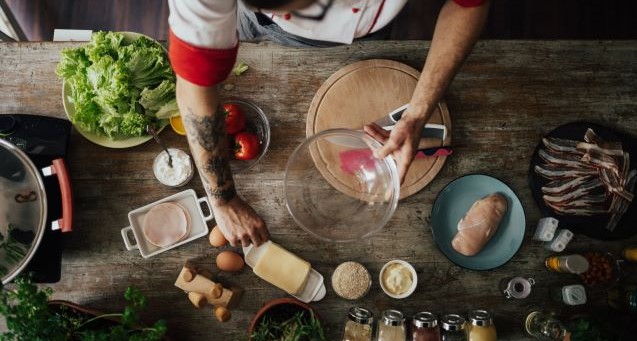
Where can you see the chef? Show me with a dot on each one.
(204, 36)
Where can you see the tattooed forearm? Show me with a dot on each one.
(223, 194)
(221, 167)
(209, 130)
(209, 144)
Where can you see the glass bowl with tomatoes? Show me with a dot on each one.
(248, 133)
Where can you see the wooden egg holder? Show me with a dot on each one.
(201, 290)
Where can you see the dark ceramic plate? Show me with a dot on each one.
(592, 226)
(452, 204)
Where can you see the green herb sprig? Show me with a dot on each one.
(29, 318)
(296, 328)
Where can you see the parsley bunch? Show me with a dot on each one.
(297, 328)
(29, 318)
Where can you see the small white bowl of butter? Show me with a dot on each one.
(398, 279)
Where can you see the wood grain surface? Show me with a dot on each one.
(365, 92)
(505, 98)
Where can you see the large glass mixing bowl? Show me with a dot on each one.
(336, 189)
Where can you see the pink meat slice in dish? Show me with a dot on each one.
(166, 224)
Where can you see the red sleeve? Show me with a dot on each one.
(198, 65)
(469, 3)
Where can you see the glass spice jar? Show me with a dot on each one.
(391, 327)
(623, 299)
(481, 327)
(573, 294)
(630, 253)
(424, 327)
(544, 326)
(359, 325)
(453, 328)
(575, 264)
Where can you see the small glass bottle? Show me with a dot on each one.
(630, 253)
(391, 327)
(359, 325)
(574, 294)
(517, 287)
(424, 327)
(544, 326)
(623, 299)
(575, 264)
(453, 328)
(481, 327)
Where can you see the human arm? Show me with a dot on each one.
(206, 130)
(203, 47)
(457, 30)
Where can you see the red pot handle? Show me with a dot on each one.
(58, 167)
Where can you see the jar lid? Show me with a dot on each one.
(577, 264)
(392, 317)
(574, 294)
(361, 315)
(425, 319)
(480, 318)
(452, 322)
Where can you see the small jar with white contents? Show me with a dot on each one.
(179, 174)
(398, 279)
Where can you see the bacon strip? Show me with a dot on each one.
(561, 145)
(587, 178)
(563, 185)
(563, 159)
(558, 172)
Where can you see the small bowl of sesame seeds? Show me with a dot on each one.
(351, 280)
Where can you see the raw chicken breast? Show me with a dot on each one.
(479, 224)
(165, 224)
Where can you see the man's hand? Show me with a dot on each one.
(239, 223)
(457, 30)
(401, 143)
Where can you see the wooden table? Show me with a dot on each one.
(506, 97)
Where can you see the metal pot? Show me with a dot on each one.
(23, 207)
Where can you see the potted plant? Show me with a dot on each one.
(29, 315)
(286, 319)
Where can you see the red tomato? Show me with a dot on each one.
(246, 146)
(235, 119)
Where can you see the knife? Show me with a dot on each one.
(430, 130)
(434, 152)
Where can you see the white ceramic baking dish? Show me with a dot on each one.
(189, 201)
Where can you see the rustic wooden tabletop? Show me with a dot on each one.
(505, 98)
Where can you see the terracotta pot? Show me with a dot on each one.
(285, 307)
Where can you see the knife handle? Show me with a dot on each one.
(398, 113)
(434, 152)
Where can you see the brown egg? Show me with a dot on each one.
(216, 237)
(229, 261)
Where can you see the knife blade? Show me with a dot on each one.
(430, 130)
(434, 152)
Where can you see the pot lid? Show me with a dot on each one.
(23, 210)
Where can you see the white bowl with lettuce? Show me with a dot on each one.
(115, 85)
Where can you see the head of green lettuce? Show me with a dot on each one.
(118, 86)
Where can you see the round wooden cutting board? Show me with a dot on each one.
(366, 91)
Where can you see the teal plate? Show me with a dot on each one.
(455, 200)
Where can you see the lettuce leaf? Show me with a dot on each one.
(118, 87)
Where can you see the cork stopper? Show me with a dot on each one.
(198, 300)
(188, 275)
(216, 290)
(221, 313)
